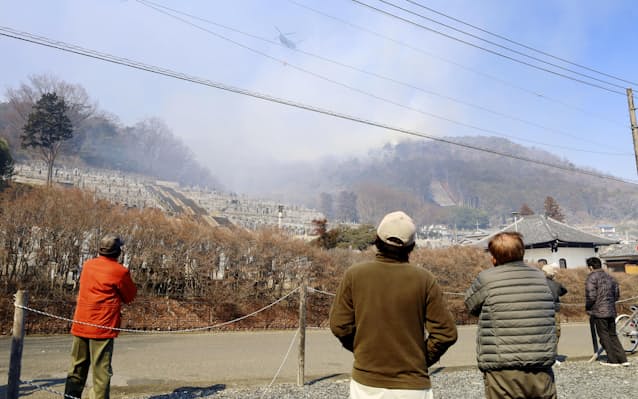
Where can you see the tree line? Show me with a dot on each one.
(217, 273)
(50, 119)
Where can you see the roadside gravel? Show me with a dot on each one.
(574, 380)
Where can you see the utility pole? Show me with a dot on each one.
(634, 125)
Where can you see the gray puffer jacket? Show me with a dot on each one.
(516, 327)
(601, 294)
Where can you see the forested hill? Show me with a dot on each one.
(99, 140)
(433, 181)
(438, 182)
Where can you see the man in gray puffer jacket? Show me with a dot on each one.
(601, 294)
(516, 337)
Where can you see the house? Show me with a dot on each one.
(548, 241)
(621, 257)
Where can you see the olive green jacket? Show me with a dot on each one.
(379, 313)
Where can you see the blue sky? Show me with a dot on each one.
(236, 134)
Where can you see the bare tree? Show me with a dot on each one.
(552, 209)
(525, 210)
(23, 98)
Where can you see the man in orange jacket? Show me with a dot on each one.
(104, 285)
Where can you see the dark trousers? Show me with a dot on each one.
(606, 329)
(520, 384)
(85, 353)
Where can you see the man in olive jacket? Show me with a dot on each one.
(379, 314)
(516, 336)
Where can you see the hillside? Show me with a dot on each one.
(435, 182)
(438, 182)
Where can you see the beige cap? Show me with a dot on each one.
(397, 229)
(549, 270)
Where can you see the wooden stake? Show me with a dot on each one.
(15, 362)
(302, 332)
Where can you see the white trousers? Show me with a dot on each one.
(360, 391)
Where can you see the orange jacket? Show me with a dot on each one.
(104, 285)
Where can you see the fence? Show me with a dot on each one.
(21, 308)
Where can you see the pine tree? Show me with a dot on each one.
(47, 127)
(6, 164)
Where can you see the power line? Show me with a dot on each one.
(520, 44)
(586, 112)
(148, 4)
(46, 42)
(498, 45)
(155, 6)
(505, 56)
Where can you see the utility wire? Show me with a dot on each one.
(46, 42)
(520, 44)
(367, 93)
(586, 112)
(540, 68)
(153, 5)
(497, 44)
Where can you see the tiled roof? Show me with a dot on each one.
(538, 229)
(619, 250)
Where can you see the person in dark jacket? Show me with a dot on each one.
(601, 294)
(558, 290)
(104, 285)
(380, 311)
(516, 336)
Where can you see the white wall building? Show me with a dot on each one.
(552, 242)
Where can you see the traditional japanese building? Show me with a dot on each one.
(548, 241)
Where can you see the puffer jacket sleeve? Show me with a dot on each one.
(591, 288)
(475, 297)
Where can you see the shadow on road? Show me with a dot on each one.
(326, 377)
(191, 392)
(26, 389)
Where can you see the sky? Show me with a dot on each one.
(349, 59)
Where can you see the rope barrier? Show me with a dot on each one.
(131, 330)
(310, 289)
(294, 337)
(43, 388)
(617, 302)
(628, 299)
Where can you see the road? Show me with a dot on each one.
(160, 363)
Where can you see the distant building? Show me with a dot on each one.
(607, 231)
(621, 257)
(548, 241)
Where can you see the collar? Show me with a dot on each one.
(387, 259)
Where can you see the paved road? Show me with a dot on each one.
(160, 363)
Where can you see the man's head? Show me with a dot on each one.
(506, 247)
(396, 234)
(111, 246)
(594, 263)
